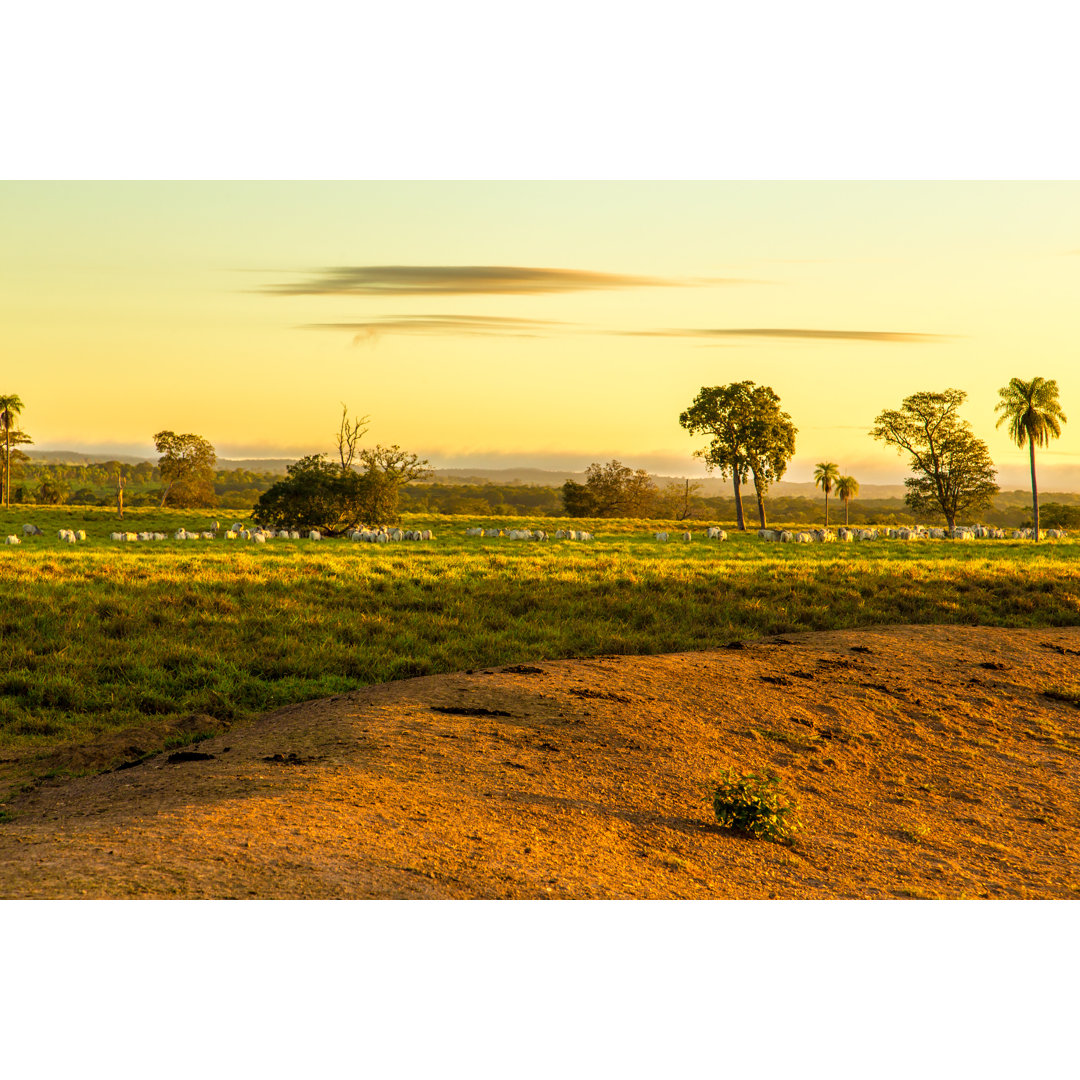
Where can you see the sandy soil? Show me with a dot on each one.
(925, 761)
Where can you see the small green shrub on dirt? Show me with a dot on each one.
(753, 804)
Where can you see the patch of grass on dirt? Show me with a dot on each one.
(1068, 694)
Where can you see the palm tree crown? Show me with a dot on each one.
(1034, 416)
(826, 473)
(10, 407)
(1032, 410)
(847, 488)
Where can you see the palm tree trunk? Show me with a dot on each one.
(738, 504)
(826, 508)
(1034, 489)
(7, 465)
(847, 503)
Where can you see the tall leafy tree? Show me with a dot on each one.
(1034, 416)
(10, 407)
(750, 436)
(187, 469)
(771, 443)
(826, 473)
(953, 470)
(847, 488)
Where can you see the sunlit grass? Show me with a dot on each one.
(98, 636)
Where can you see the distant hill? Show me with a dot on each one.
(76, 457)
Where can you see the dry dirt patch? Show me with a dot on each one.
(926, 762)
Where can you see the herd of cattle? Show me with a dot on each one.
(384, 535)
(237, 532)
(916, 532)
(531, 534)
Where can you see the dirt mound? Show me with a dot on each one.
(925, 761)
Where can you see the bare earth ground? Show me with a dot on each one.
(925, 761)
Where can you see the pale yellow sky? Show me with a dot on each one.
(247, 311)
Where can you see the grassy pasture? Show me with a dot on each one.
(99, 636)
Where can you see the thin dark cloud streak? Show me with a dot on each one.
(474, 280)
(370, 330)
(795, 332)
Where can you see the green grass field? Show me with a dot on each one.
(98, 636)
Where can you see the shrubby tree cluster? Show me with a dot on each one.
(611, 491)
(361, 488)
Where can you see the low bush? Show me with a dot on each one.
(753, 804)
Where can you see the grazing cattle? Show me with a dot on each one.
(688, 536)
(314, 535)
(12, 540)
(493, 532)
(786, 537)
(231, 535)
(258, 537)
(32, 530)
(475, 531)
(661, 536)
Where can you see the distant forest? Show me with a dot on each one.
(239, 489)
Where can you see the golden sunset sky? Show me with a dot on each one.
(548, 323)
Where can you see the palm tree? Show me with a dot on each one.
(826, 473)
(847, 487)
(10, 407)
(1034, 415)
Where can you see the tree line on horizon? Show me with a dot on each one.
(751, 440)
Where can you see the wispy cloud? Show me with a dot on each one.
(472, 280)
(794, 332)
(370, 330)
